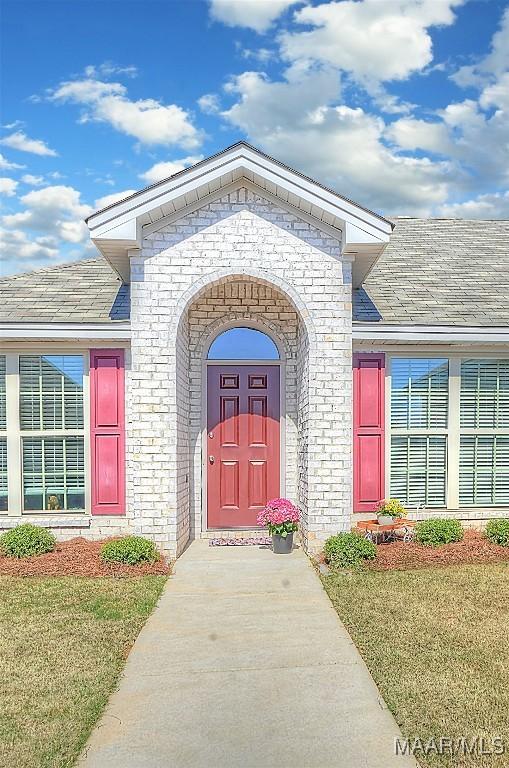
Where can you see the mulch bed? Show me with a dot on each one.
(474, 548)
(76, 557)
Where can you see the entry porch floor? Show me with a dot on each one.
(244, 663)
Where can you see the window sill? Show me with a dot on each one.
(46, 521)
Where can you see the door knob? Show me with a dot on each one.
(211, 459)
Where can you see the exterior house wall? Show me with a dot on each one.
(241, 237)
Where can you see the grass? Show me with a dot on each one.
(436, 641)
(63, 643)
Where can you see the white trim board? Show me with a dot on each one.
(117, 331)
(441, 334)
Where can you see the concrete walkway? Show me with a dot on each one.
(245, 664)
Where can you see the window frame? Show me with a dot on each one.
(409, 431)
(453, 431)
(477, 431)
(15, 434)
(4, 435)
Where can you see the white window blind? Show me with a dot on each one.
(484, 470)
(419, 393)
(484, 433)
(53, 473)
(3, 475)
(484, 399)
(419, 470)
(51, 392)
(51, 403)
(419, 424)
(3, 394)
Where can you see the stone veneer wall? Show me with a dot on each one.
(245, 237)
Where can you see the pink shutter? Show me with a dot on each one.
(107, 431)
(368, 430)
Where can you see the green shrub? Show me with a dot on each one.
(497, 531)
(27, 540)
(346, 549)
(439, 531)
(130, 550)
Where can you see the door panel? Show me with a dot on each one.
(243, 443)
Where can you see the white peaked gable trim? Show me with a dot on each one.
(119, 227)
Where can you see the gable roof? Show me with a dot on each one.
(439, 272)
(433, 272)
(120, 227)
(81, 292)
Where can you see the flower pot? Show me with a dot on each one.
(282, 545)
(385, 520)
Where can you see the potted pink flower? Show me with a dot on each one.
(280, 516)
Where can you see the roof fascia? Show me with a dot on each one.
(244, 158)
(436, 333)
(117, 330)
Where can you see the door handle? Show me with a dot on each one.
(211, 459)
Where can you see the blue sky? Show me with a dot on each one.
(401, 105)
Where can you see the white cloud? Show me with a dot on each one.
(19, 140)
(266, 108)
(410, 133)
(496, 94)
(488, 206)
(493, 65)
(256, 14)
(374, 41)
(32, 181)
(8, 186)
(55, 211)
(17, 247)
(6, 165)
(103, 202)
(148, 120)
(165, 169)
(295, 120)
(209, 103)
(108, 69)
(263, 55)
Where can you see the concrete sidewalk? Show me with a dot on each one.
(245, 664)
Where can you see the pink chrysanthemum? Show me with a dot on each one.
(278, 512)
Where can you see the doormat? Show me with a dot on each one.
(259, 541)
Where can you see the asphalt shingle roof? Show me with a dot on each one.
(86, 291)
(439, 272)
(433, 272)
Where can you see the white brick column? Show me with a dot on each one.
(241, 237)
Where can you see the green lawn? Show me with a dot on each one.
(63, 642)
(437, 643)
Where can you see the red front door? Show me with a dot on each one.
(242, 443)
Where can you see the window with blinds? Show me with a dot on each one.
(419, 393)
(419, 424)
(53, 473)
(484, 400)
(3, 394)
(419, 470)
(3, 475)
(484, 433)
(51, 403)
(51, 392)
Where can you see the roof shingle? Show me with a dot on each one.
(439, 272)
(86, 291)
(433, 272)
